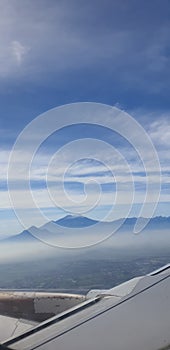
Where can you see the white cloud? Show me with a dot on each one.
(83, 171)
(19, 51)
(160, 132)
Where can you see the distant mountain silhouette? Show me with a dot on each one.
(75, 221)
(23, 237)
(157, 223)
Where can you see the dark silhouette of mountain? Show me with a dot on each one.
(158, 223)
(23, 237)
(75, 221)
(155, 223)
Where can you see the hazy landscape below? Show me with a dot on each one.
(27, 263)
(77, 274)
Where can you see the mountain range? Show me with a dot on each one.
(126, 225)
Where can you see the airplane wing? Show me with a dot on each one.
(132, 316)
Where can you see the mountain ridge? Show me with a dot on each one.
(72, 221)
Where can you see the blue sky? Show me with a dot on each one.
(58, 52)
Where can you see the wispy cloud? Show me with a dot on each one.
(19, 51)
(160, 132)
